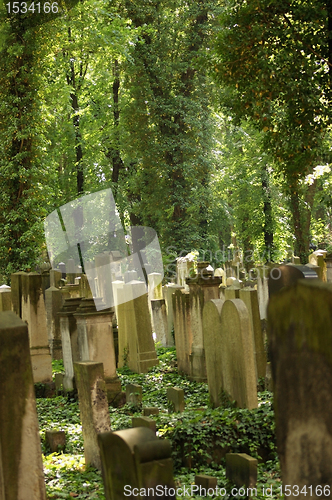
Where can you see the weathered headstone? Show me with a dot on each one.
(93, 404)
(147, 460)
(184, 269)
(212, 334)
(150, 410)
(318, 259)
(159, 321)
(95, 341)
(69, 341)
(300, 343)
(287, 275)
(263, 273)
(250, 298)
(53, 304)
(237, 354)
(182, 330)
(144, 422)
(55, 278)
(34, 312)
(136, 346)
(55, 440)
(232, 292)
(134, 394)
(16, 289)
(175, 397)
(241, 469)
(206, 482)
(5, 298)
(20, 451)
(104, 275)
(168, 291)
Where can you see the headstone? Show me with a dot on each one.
(130, 276)
(263, 273)
(168, 291)
(53, 304)
(237, 354)
(182, 330)
(55, 278)
(212, 334)
(134, 394)
(159, 321)
(241, 469)
(155, 286)
(206, 482)
(55, 440)
(232, 292)
(147, 460)
(5, 298)
(318, 259)
(16, 289)
(104, 275)
(184, 269)
(144, 422)
(136, 346)
(21, 466)
(34, 312)
(95, 341)
(219, 272)
(150, 411)
(58, 380)
(232, 281)
(93, 404)
(250, 298)
(175, 397)
(62, 267)
(69, 340)
(287, 275)
(300, 343)
(84, 288)
(328, 260)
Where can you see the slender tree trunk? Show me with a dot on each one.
(268, 217)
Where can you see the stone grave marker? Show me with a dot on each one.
(53, 304)
(168, 291)
(147, 460)
(175, 397)
(212, 334)
(287, 275)
(159, 321)
(182, 330)
(5, 298)
(250, 298)
(16, 289)
(34, 312)
(144, 422)
(237, 354)
(69, 341)
(241, 469)
(134, 394)
(206, 482)
(21, 466)
(56, 440)
(150, 411)
(300, 343)
(93, 404)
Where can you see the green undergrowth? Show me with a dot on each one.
(200, 436)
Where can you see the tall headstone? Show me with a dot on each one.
(55, 278)
(70, 351)
(21, 466)
(155, 286)
(300, 343)
(34, 312)
(237, 354)
(184, 269)
(182, 330)
(93, 404)
(250, 298)
(168, 291)
(53, 304)
(5, 298)
(263, 273)
(212, 335)
(159, 321)
(104, 275)
(16, 289)
(95, 341)
(318, 259)
(136, 346)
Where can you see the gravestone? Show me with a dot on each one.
(168, 291)
(53, 304)
(206, 482)
(69, 340)
(155, 286)
(182, 330)
(300, 343)
(134, 394)
(93, 404)
(150, 410)
(232, 292)
(5, 298)
(55, 278)
(147, 460)
(144, 422)
(104, 275)
(16, 289)
(212, 334)
(159, 322)
(317, 258)
(95, 341)
(263, 273)
(136, 346)
(34, 313)
(175, 397)
(250, 298)
(184, 269)
(55, 440)
(237, 354)
(241, 469)
(21, 466)
(287, 275)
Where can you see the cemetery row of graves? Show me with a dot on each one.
(194, 413)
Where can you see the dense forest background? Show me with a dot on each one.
(209, 120)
